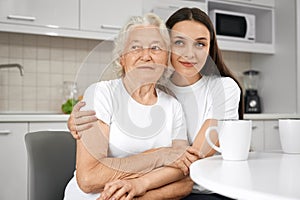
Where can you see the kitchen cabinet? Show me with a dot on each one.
(269, 3)
(13, 154)
(167, 7)
(265, 135)
(257, 140)
(271, 135)
(13, 167)
(107, 17)
(264, 30)
(46, 13)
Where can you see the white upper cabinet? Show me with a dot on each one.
(167, 7)
(46, 13)
(96, 19)
(107, 17)
(269, 3)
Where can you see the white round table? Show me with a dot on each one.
(269, 176)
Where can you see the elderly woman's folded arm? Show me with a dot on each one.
(94, 169)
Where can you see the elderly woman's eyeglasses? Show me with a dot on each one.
(153, 49)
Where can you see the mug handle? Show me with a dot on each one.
(207, 136)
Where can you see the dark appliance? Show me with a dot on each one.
(252, 100)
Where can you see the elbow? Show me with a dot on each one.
(187, 187)
(86, 182)
(190, 185)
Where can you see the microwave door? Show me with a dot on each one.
(231, 26)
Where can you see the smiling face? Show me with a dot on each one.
(145, 55)
(190, 41)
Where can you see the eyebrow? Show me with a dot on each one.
(134, 41)
(197, 39)
(152, 42)
(202, 38)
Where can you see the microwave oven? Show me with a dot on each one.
(233, 25)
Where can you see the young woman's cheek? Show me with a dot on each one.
(173, 60)
(201, 58)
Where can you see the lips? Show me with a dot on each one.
(150, 66)
(187, 64)
(146, 67)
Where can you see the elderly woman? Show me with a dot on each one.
(133, 117)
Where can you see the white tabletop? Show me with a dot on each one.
(264, 176)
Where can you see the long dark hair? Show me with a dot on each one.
(195, 14)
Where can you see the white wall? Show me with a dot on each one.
(278, 71)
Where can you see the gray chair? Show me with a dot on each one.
(51, 163)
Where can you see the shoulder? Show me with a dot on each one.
(231, 89)
(101, 89)
(102, 86)
(228, 84)
(219, 86)
(228, 81)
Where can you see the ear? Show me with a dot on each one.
(122, 60)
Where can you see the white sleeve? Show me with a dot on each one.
(179, 124)
(98, 98)
(225, 98)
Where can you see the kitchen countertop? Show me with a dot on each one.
(40, 117)
(272, 116)
(33, 117)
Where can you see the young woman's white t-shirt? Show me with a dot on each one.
(134, 127)
(212, 97)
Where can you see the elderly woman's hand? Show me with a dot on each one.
(80, 120)
(122, 189)
(183, 163)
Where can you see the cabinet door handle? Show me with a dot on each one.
(254, 127)
(104, 26)
(5, 132)
(276, 127)
(174, 7)
(22, 18)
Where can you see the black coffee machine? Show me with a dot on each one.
(252, 101)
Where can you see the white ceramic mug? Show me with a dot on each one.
(289, 131)
(234, 138)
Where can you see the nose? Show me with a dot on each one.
(188, 52)
(146, 54)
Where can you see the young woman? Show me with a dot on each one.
(201, 82)
(133, 116)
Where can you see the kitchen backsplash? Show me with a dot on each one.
(49, 61)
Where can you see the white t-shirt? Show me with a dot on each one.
(211, 97)
(134, 127)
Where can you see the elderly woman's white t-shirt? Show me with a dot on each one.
(134, 127)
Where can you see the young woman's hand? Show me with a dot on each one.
(122, 189)
(183, 163)
(80, 120)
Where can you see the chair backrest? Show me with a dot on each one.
(51, 163)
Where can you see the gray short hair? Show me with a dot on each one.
(120, 41)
